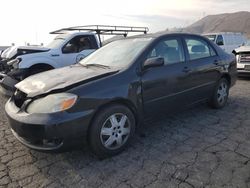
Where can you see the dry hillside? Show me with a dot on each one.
(234, 22)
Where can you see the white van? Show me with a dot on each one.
(228, 41)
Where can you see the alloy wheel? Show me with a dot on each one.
(115, 131)
(222, 93)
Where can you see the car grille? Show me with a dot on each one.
(244, 58)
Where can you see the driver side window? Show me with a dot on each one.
(171, 50)
(77, 44)
(70, 47)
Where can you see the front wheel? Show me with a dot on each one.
(36, 69)
(220, 95)
(111, 130)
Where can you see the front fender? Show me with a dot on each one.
(28, 62)
(122, 87)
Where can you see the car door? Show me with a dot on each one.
(76, 49)
(162, 86)
(202, 68)
(86, 45)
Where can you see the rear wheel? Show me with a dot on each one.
(220, 96)
(111, 130)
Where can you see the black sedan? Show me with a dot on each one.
(108, 94)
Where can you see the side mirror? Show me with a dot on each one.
(153, 62)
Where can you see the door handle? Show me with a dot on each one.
(186, 70)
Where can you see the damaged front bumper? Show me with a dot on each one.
(243, 64)
(243, 72)
(3, 64)
(7, 84)
(47, 132)
(243, 69)
(9, 80)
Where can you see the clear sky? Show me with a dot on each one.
(31, 20)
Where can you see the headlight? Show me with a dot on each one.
(237, 58)
(52, 103)
(11, 62)
(14, 62)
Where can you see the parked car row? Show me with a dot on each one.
(243, 59)
(237, 44)
(21, 62)
(228, 41)
(66, 49)
(105, 97)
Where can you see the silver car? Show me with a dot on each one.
(243, 59)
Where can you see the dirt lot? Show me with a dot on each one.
(200, 147)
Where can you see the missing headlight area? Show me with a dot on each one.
(19, 98)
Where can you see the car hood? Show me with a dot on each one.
(242, 49)
(15, 51)
(6, 53)
(46, 82)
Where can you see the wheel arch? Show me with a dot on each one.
(118, 101)
(41, 65)
(33, 61)
(227, 77)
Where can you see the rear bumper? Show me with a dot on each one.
(47, 132)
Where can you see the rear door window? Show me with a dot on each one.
(198, 48)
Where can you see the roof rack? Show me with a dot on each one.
(104, 30)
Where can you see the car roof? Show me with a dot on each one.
(158, 35)
(68, 34)
(223, 33)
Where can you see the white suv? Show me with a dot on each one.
(228, 41)
(243, 59)
(66, 49)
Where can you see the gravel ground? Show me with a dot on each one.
(200, 147)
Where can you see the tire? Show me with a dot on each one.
(111, 131)
(220, 95)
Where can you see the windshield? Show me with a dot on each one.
(211, 37)
(56, 43)
(119, 53)
(248, 43)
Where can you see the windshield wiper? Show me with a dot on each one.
(96, 65)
